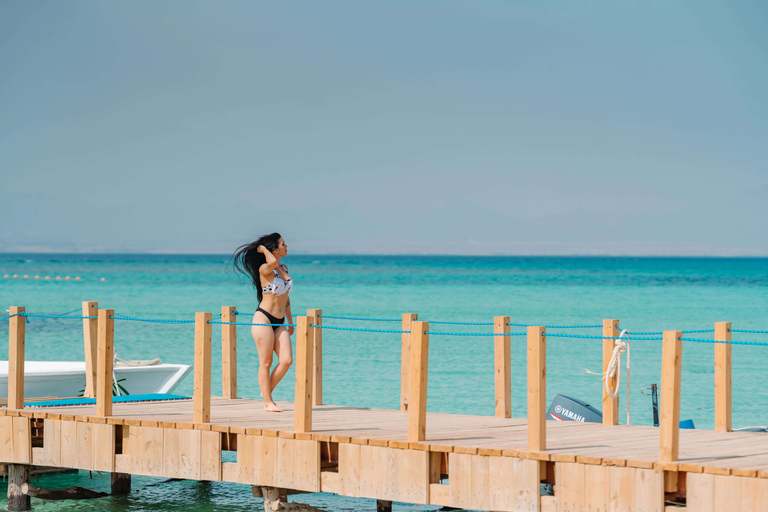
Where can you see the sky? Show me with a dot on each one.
(385, 127)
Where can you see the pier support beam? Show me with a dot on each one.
(537, 389)
(121, 483)
(723, 377)
(105, 363)
(16, 337)
(405, 358)
(201, 398)
(228, 352)
(302, 421)
(383, 506)
(90, 340)
(314, 317)
(502, 361)
(610, 404)
(669, 424)
(18, 486)
(417, 385)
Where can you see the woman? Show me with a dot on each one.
(260, 261)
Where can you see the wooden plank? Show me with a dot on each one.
(302, 421)
(405, 358)
(228, 352)
(754, 494)
(610, 405)
(16, 341)
(6, 438)
(513, 484)
(569, 478)
(723, 402)
(479, 482)
(172, 453)
(537, 388)
(622, 488)
(417, 384)
(69, 449)
(597, 488)
(315, 318)
(460, 479)
(105, 361)
(84, 445)
(329, 482)
(51, 443)
(669, 421)
(91, 345)
(727, 495)
(22, 440)
(103, 447)
(202, 389)
(502, 357)
(349, 469)
(649, 491)
(152, 453)
(266, 468)
(210, 456)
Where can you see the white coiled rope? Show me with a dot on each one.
(614, 368)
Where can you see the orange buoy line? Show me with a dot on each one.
(46, 278)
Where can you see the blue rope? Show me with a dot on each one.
(600, 337)
(649, 333)
(152, 320)
(743, 330)
(699, 340)
(557, 326)
(357, 329)
(437, 333)
(362, 318)
(702, 330)
(460, 323)
(7, 318)
(34, 315)
(219, 322)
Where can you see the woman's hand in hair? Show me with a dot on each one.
(262, 249)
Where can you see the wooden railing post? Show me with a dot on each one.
(314, 318)
(669, 423)
(502, 358)
(202, 393)
(537, 388)
(417, 385)
(91, 346)
(405, 358)
(610, 404)
(723, 377)
(302, 421)
(105, 362)
(228, 353)
(16, 341)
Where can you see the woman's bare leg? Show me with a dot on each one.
(284, 356)
(265, 345)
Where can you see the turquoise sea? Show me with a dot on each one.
(363, 369)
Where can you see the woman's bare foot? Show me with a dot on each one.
(272, 407)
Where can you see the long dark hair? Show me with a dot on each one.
(248, 260)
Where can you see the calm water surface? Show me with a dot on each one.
(363, 369)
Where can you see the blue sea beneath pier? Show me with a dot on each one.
(363, 368)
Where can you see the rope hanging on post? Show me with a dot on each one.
(614, 366)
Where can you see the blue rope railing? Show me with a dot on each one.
(560, 335)
(362, 318)
(700, 340)
(219, 322)
(357, 329)
(745, 330)
(152, 320)
(557, 326)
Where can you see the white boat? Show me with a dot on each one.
(67, 378)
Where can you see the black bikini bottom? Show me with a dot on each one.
(272, 319)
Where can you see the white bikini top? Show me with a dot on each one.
(279, 286)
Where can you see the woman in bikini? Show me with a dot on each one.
(260, 261)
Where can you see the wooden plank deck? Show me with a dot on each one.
(485, 458)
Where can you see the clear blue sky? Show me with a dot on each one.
(483, 127)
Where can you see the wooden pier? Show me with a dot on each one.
(487, 463)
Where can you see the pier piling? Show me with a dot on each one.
(18, 485)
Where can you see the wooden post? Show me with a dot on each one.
(502, 360)
(723, 377)
(16, 341)
(669, 423)
(610, 405)
(90, 339)
(18, 485)
(405, 358)
(417, 385)
(202, 392)
(120, 483)
(105, 362)
(537, 388)
(314, 318)
(302, 420)
(228, 353)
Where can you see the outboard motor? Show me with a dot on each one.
(565, 408)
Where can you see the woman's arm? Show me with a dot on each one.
(288, 316)
(271, 263)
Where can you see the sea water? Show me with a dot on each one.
(362, 369)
